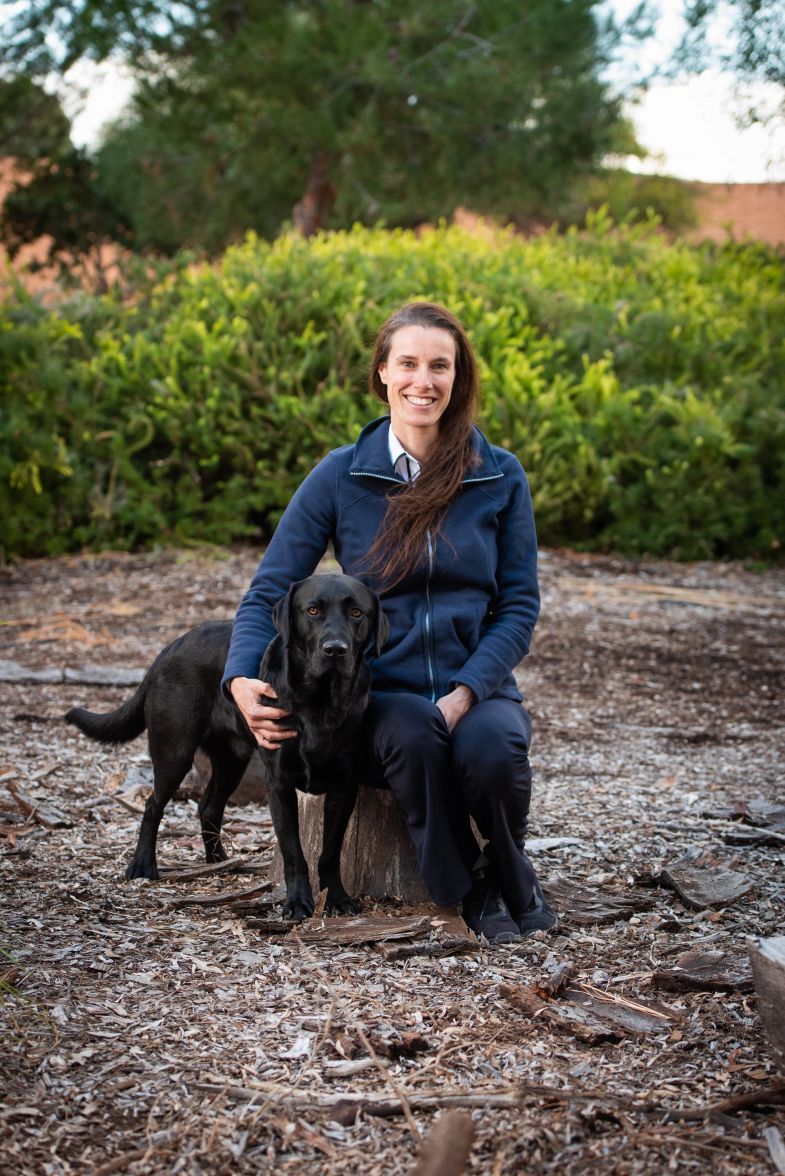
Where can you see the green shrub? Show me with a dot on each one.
(640, 382)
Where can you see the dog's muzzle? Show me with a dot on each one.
(334, 647)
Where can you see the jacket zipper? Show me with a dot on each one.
(428, 659)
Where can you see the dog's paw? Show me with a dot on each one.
(342, 904)
(141, 869)
(215, 853)
(297, 910)
(299, 903)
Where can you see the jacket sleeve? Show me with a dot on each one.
(300, 540)
(507, 636)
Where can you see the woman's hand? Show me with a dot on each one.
(455, 705)
(248, 693)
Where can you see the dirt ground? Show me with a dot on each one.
(140, 1036)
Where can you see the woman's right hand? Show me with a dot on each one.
(248, 693)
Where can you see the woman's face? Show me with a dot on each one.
(418, 374)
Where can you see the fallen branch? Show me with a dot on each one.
(764, 1096)
(215, 900)
(230, 866)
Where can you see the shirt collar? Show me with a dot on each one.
(397, 451)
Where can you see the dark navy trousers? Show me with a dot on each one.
(440, 780)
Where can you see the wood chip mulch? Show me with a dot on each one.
(146, 1032)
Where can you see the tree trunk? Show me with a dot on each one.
(311, 212)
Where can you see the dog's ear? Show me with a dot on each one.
(381, 630)
(283, 613)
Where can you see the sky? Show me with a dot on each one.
(688, 127)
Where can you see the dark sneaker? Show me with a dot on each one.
(539, 916)
(486, 915)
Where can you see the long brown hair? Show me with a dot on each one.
(420, 506)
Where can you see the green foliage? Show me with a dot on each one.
(58, 196)
(632, 198)
(32, 123)
(250, 116)
(640, 383)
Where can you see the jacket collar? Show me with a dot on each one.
(372, 455)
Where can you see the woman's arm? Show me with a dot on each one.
(299, 542)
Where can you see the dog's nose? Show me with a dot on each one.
(335, 647)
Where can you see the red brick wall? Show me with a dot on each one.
(753, 210)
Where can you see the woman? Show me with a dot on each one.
(440, 523)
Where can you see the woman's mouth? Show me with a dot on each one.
(420, 401)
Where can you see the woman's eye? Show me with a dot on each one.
(313, 611)
(357, 612)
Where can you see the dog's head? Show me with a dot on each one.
(330, 621)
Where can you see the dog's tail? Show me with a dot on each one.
(119, 726)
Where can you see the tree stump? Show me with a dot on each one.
(767, 957)
(378, 859)
(252, 789)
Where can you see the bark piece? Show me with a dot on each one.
(587, 907)
(759, 813)
(435, 948)
(556, 980)
(362, 929)
(754, 837)
(699, 887)
(700, 970)
(767, 957)
(445, 1151)
(591, 1017)
(41, 813)
(272, 926)
(776, 1148)
(377, 859)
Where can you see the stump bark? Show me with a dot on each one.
(767, 957)
(378, 859)
(252, 789)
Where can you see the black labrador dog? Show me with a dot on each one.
(316, 664)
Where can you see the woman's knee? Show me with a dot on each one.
(405, 724)
(492, 762)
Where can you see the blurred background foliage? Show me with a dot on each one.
(250, 116)
(639, 381)
(638, 378)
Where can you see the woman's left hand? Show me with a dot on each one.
(455, 705)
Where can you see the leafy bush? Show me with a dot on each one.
(640, 382)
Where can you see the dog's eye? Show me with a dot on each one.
(357, 612)
(313, 611)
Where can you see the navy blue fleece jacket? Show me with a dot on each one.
(465, 615)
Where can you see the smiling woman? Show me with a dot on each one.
(439, 522)
(418, 375)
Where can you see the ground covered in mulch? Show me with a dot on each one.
(144, 1036)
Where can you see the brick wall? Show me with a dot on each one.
(753, 210)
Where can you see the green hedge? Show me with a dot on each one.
(641, 383)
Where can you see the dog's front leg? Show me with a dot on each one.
(339, 802)
(299, 902)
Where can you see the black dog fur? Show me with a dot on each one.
(316, 665)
